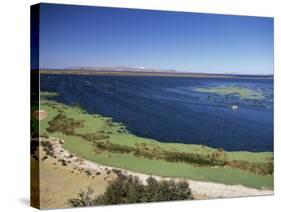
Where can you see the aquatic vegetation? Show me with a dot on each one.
(240, 92)
(101, 143)
(47, 95)
(98, 138)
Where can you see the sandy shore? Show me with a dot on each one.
(200, 189)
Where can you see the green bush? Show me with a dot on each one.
(196, 159)
(254, 167)
(129, 189)
(85, 198)
(94, 136)
(64, 124)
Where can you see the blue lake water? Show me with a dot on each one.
(169, 110)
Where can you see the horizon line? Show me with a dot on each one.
(156, 70)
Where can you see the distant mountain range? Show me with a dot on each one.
(119, 69)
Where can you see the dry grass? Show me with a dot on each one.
(59, 183)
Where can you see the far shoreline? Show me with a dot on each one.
(150, 74)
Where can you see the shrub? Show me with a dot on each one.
(129, 189)
(85, 198)
(255, 167)
(94, 136)
(111, 147)
(47, 147)
(196, 159)
(61, 123)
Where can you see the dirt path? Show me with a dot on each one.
(200, 189)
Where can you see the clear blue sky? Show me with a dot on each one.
(97, 36)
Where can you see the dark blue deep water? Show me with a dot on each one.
(169, 110)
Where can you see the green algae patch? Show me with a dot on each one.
(240, 92)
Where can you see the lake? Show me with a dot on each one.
(177, 109)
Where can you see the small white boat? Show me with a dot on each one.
(235, 107)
